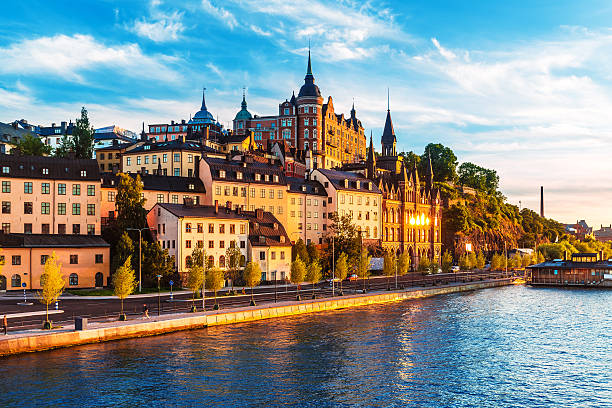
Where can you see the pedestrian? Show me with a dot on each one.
(145, 311)
(5, 325)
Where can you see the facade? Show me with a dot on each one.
(49, 195)
(353, 195)
(584, 269)
(109, 158)
(292, 159)
(306, 211)
(306, 123)
(10, 133)
(604, 234)
(246, 184)
(580, 229)
(155, 189)
(85, 260)
(111, 135)
(52, 135)
(269, 246)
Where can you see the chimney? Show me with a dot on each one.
(216, 207)
(196, 168)
(542, 201)
(115, 142)
(63, 126)
(182, 138)
(53, 125)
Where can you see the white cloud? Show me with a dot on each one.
(69, 57)
(161, 28)
(220, 13)
(259, 31)
(214, 69)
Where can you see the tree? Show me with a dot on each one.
(232, 259)
(403, 263)
(389, 265)
(443, 162)
(297, 273)
(123, 250)
(411, 160)
(313, 274)
(313, 253)
(480, 260)
(52, 286)
(155, 261)
(447, 262)
(299, 250)
(129, 203)
(252, 276)
(464, 263)
(195, 275)
(31, 145)
(496, 262)
(423, 264)
(345, 237)
(479, 178)
(341, 269)
(472, 260)
(124, 283)
(83, 137)
(64, 148)
(433, 268)
(363, 268)
(214, 282)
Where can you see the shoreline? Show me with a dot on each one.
(39, 340)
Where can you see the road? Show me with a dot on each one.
(108, 309)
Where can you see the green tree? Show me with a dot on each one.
(389, 264)
(195, 275)
(83, 137)
(123, 250)
(124, 283)
(232, 259)
(341, 268)
(403, 263)
(214, 282)
(363, 268)
(65, 147)
(411, 160)
(313, 274)
(496, 262)
(478, 177)
(299, 250)
(433, 268)
(52, 285)
(447, 262)
(345, 239)
(252, 276)
(129, 203)
(297, 273)
(31, 145)
(313, 253)
(480, 260)
(472, 260)
(443, 162)
(155, 261)
(464, 262)
(423, 264)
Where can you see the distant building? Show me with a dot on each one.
(11, 133)
(580, 229)
(109, 158)
(85, 260)
(109, 135)
(604, 234)
(52, 135)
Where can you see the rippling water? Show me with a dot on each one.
(505, 347)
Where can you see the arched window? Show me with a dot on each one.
(305, 133)
(16, 281)
(222, 261)
(187, 261)
(73, 279)
(211, 261)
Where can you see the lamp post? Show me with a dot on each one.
(139, 254)
(333, 264)
(158, 296)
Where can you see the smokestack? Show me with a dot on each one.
(541, 201)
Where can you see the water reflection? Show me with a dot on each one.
(512, 346)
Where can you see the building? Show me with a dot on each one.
(580, 229)
(306, 123)
(109, 158)
(11, 133)
(49, 195)
(584, 269)
(52, 135)
(604, 234)
(292, 159)
(246, 184)
(260, 237)
(353, 195)
(85, 260)
(155, 189)
(306, 211)
(111, 135)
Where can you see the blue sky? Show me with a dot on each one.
(523, 87)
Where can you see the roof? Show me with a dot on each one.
(309, 88)
(572, 265)
(51, 241)
(337, 178)
(10, 132)
(57, 168)
(247, 170)
(169, 145)
(65, 128)
(111, 136)
(388, 136)
(203, 115)
(201, 211)
(243, 114)
(297, 185)
(160, 183)
(118, 146)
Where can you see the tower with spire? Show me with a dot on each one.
(242, 117)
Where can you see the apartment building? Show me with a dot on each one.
(306, 211)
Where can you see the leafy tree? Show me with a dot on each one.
(472, 260)
(423, 264)
(443, 162)
(232, 259)
(252, 276)
(341, 268)
(123, 250)
(124, 283)
(496, 262)
(478, 177)
(313, 253)
(411, 160)
(65, 147)
(155, 261)
(313, 274)
(447, 262)
(433, 268)
(363, 268)
(83, 137)
(480, 260)
(346, 239)
(389, 264)
(52, 285)
(195, 275)
(403, 263)
(297, 273)
(299, 250)
(214, 282)
(464, 262)
(129, 203)
(31, 145)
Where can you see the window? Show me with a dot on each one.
(76, 229)
(27, 187)
(61, 228)
(83, 173)
(74, 259)
(61, 208)
(76, 189)
(262, 255)
(262, 193)
(154, 159)
(165, 158)
(282, 255)
(6, 169)
(91, 229)
(6, 207)
(91, 209)
(177, 172)
(232, 229)
(16, 280)
(44, 228)
(111, 196)
(272, 255)
(43, 259)
(6, 186)
(45, 208)
(211, 244)
(222, 244)
(73, 279)
(188, 227)
(99, 258)
(188, 243)
(177, 157)
(146, 160)
(160, 198)
(174, 199)
(222, 261)
(45, 188)
(200, 228)
(91, 190)
(138, 160)
(242, 228)
(76, 209)
(222, 229)
(27, 208)
(16, 260)
(211, 228)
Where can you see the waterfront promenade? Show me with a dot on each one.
(37, 340)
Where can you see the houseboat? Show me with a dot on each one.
(582, 269)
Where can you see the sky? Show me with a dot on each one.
(523, 87)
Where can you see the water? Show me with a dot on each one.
(505, 347)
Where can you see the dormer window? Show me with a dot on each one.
(191, 186)
(262, 239)
(45, 171)
(83, 173)
(239, 175)
(257, 177)
(267, 177)
(357, 184)
(222, 173)
(282, 239)
(6, 169)
(276, 178)
(147, 147)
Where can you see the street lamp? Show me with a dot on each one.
(158, 296)
(139, 254)
(333, 263)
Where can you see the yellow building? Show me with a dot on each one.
(306, 211)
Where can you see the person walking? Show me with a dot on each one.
(5, 325)
(145, 311)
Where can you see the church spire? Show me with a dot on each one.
(244, 103)
(388, 138)
(371, 160)
(429, 176)
(309, 69)
(203, 108)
